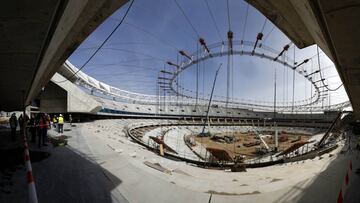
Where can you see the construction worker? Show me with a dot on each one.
(21, 123)
(48, 119)
(61, 123)
(38, 123)
(13, 125)
(26, 121)
(42, 130)
(70, 119)
(55, 120)
(32, 125)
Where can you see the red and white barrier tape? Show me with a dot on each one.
(34, 126)
(340, 198)
(29, 174)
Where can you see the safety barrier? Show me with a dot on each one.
(29, 174)
(345, 184)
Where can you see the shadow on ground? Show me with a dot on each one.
(326, 185)
(61, 175)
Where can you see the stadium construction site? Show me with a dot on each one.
(209, 134)
(200, 151)
(204, 151)
(208, 150)
(180, 102)
(230, 144)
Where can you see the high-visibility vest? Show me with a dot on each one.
(61, 120)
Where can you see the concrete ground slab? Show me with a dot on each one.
(90, 169)
(281, 183)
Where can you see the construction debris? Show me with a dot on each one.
(158, 167)
(296, 140)
(58, 140)
(238, 167)
(118, 150)
(223, 138)
(220, 154)
(251, 144)
(162, 143)
(133, 154)
(179, 171)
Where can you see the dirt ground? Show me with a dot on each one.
(237, 147)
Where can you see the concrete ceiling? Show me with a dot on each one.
(24, 31)
(341, 22)
(332, 24)
(36, 37)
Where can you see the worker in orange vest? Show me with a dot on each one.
(43, 125)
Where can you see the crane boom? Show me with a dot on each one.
(208, 108)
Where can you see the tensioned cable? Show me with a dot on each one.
(293, 85)
(133, 67)
(152, 13)
(119, 63)
(332, 76)
(154, 36)
(246, 16)
(321, 77)
(130, 76)
(232, 93)
(134, 52)
(268, 34)
(101, 45)
(197, 74)
(187, 19)
(229, 74)
(130, 81)
(284, 81)
(294, 56)
(228, 14)
(133, 77)
(324, 68)
(213, 19)
(315, 55)
(311, 86)
(81, 49)
(287, 81)
(203, 79)
(263, 27)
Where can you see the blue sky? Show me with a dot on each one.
(132, 58)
